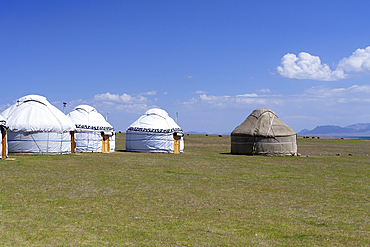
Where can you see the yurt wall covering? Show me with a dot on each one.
(36, 126)
(3, 142)
(153, 132)
(91, 127)
(263, 133)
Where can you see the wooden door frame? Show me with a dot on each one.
(3, 142)
(104, 142)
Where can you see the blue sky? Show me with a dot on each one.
(213, 62)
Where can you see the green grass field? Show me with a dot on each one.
(203, 197)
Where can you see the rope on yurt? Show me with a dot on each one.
(36, 143)
(273, 116)
(268, 132)
(283, 149)
(255, 127)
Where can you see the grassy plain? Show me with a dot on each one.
(203, 197)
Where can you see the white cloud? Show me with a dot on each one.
(264, 90)
(358, 62)
(218, 101)
(228, 101)
(247, 95)
(115, 103)
(107, 96)
(210, 100)
(353, 93)
(319, 96)
(200, 92)
(205, 97)
(125, 98)
(133, 108)
(302, 117)
(150, 93)
(249, 101)
(139, 98)
(191, 101)
(362, 88)
(306, 66)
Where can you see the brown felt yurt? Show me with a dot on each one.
(263, 133)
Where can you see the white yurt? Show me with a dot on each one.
(263, 133)
(36, 126)
(155, 131)
(3, 146)
(93, 132)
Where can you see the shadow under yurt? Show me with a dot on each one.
(263, 133)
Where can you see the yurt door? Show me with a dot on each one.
(105, 144)
(3, 143)
(176, 142)
(73, 143)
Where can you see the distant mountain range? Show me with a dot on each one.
(204, 133)
(353, 130)
(358, 130)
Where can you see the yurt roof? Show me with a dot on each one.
(156, 120)
(263, 122)
(33, 113)
(87, 117)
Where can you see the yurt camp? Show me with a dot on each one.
(263, 133)
(37, 127)
(93, 132)
(155, 131)
(3, 146)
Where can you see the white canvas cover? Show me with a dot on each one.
(89, 127)
(36, 126)
(3, 127)
(153, 132)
